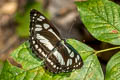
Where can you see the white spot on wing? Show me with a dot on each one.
(57, 67)
(32, 28)
(54, 66)
(36, 46)
(42, 17)
(46, 26)
(38, 26)
(78, 57)
(49, 60)
(33, 17)
(59, 57)
(54, 34)
(38, 29)
(38, 36)
(35, 14)
(39, 19)
(47, 44)
(33, 42)
(51, 63)
(39, 50)
(76, 60)
(76, 65)
(45, 41)
(69, 62)
(72, 54)
(66, 47)
(68, 68)
(32, 20)
(79, 63)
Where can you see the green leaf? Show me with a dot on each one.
(102, 19)
(32, 67)
(113, 68)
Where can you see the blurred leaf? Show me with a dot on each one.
(1, 66)
(23, 20)
(102, 19)
(32, 66)
(113, 68)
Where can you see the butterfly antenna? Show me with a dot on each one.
(70, 29)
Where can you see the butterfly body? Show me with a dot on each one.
(46, 42)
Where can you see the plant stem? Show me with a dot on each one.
(104, 50)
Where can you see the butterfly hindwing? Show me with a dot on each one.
(46, 42)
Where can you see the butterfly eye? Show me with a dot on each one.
(46, 43)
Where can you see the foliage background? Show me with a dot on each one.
(101, 19)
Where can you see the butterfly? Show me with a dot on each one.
(47, 44)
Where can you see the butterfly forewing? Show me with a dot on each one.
(43, 38)
(45, 41)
